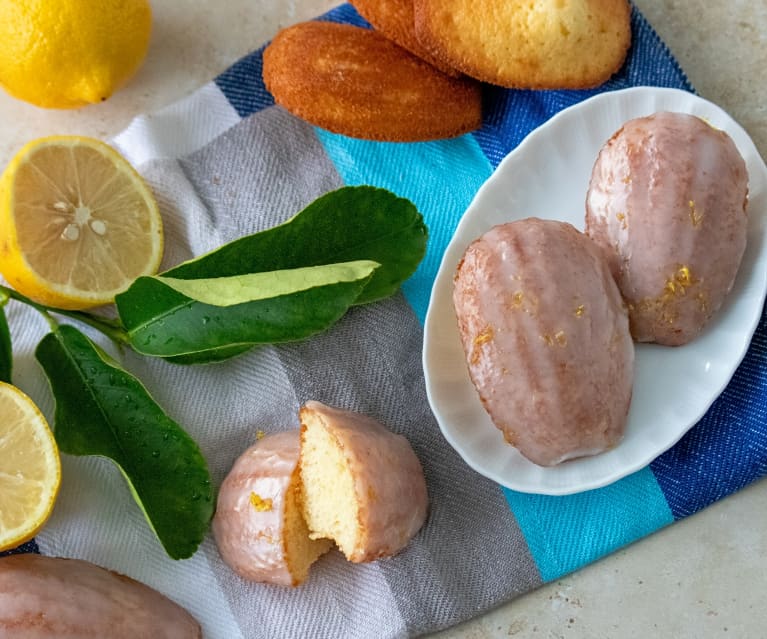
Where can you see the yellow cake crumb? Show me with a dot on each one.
(330, 502)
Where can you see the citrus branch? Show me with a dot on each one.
(110, 328)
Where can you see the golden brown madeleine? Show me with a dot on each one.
(358, 83)
(545, 44)
(396, 20)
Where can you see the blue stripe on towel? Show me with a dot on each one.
(727, 449)
(345, 14)
(565, 533)
(243, 86)
(440, 177)
(30, 546)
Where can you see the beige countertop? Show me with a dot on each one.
(702, 577)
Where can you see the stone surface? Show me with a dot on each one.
(702, 577)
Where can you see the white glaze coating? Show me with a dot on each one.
(249, 524)
(389, 483)
(667, 201)
(546, 338)
(54, 598)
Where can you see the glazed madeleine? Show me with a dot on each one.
(667, 201)
(56, 598)
(259, 526)
(363, 485)
(546, 339)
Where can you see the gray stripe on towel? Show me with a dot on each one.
(471, 553)
(260, 172)
(256, 175)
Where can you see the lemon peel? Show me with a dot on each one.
(69, 53)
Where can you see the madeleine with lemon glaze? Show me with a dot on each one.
(667, 202)
(546, 339)
(363, 485)
(56, 598)
(259, 526)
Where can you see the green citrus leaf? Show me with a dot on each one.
(350, 223)
(238, 289)
(6, 353)
(101, 409)
(163, 321)
(211, 356)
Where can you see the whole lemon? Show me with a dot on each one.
(64, 54)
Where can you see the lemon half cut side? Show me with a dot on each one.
(30, 469)
(77, 223)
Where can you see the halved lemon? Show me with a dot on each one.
(30, 470)
(77, 223)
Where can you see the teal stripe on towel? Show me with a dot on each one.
(565, 533)
(440, 177)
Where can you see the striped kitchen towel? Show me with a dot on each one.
(226, 162)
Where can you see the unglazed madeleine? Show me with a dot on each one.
(258, 526)
(667, 201)
(546, 338)
(396, 20)
(545, 44)
(358, 83)
(53, 598)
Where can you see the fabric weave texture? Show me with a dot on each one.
(225, 162)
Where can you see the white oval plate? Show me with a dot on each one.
(547, 176)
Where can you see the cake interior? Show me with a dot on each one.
(301, 551)
(330, 503)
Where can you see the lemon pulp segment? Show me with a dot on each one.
(83, 225)
(29, 468)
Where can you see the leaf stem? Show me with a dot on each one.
(111, 328)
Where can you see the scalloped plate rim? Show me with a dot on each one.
(600, 470)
